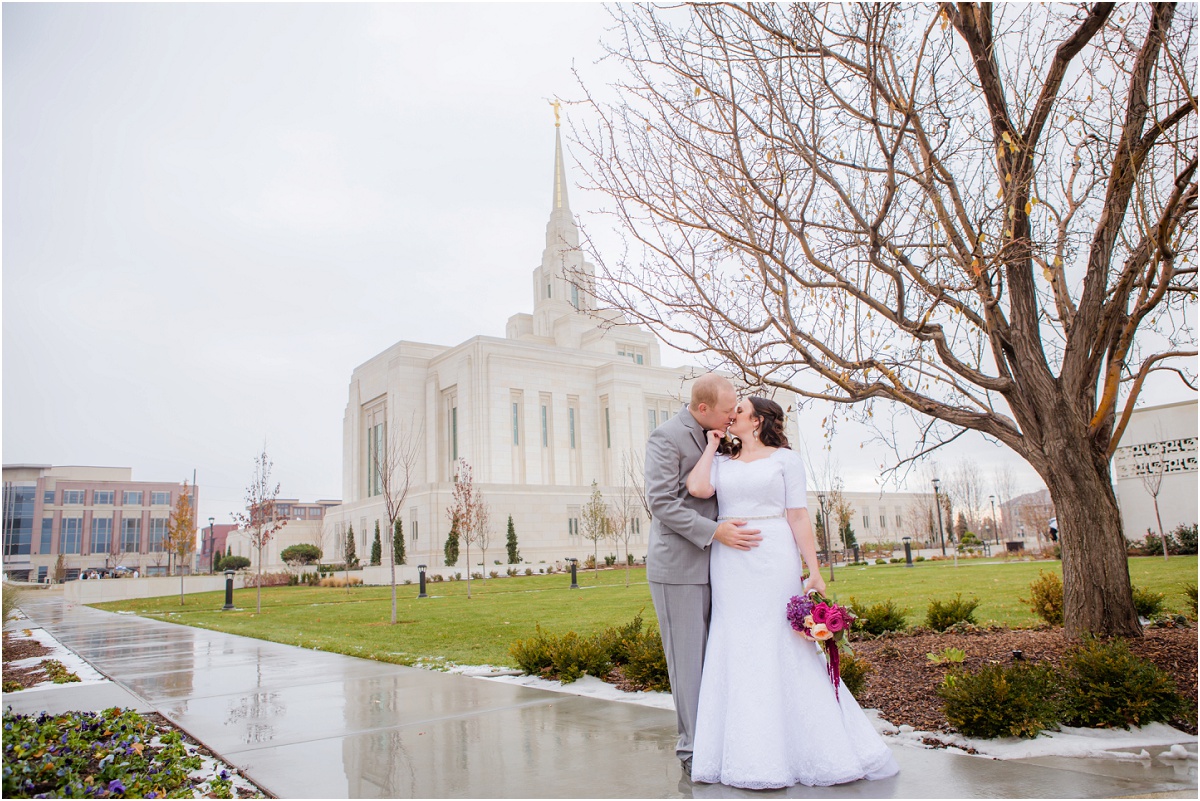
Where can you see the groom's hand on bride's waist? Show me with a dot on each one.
(734, 534)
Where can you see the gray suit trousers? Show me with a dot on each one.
(683, 612)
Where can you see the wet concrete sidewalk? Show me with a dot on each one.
(308, 724)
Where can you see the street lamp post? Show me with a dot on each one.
(574, 581)
(938, 503)
(995, 526)
(211, 543)
(421, 574)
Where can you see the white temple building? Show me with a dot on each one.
(566, 398)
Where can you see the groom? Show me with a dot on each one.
(682, 529)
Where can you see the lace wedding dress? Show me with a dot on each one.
(768, 716)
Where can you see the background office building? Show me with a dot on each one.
(97, 518)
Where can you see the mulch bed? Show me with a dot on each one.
(16, 649)
(903, 682)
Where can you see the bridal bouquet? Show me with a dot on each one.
(818, 618)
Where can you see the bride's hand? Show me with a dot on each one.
(815, 582)
(714, 438)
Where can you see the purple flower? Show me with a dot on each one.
(115, 786)
(798, 608)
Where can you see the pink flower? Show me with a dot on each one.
(821, 632)
(819, 613)
(837, 619)
(808, 621)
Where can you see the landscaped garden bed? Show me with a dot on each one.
(111, 754)
(903, 681)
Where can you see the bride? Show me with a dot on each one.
(768, 716)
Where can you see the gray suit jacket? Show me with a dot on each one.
(682, 526)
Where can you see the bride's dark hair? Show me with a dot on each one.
(771, 413)
(771, 434)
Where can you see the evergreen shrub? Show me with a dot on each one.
(1105, 685)
(235, 562)
(853, 671)
(1046, 598)
(878, 618)
(1189, 592)
(1147, 602)
(1015, 700)
(941, 615)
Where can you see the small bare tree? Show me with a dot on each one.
(483, 528)
(464, 509)
(594, 522)
(181, 533)
(1005, 483)
(630, 502)
(965, 485)
(393, 455)
(261, 519)
(1152, 481)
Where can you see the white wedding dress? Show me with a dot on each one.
(768, 716)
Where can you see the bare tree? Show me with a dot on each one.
(594, 522)
(983, 215)
(483, 529)
(261, 519)
(965, 485)
(392, 452)
(1152, 481)
(1004, 483)
(625, 508)
(465, 505)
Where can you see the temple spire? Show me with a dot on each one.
(560, 172)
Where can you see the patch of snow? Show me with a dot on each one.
(1115, 744)
(86, 673)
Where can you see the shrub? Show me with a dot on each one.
(300, 554)
(1046, 598)
(880, 617)
(535, 655)
(610, 560)
(895, 560)
(235, 562)
(918, 558)
(881, 561)
(58, 672)
(575, 655)
(941, 615)
(646, 663)
(1189, 592)
(954, 655)
(268, 579)
(590, 562)
(1106, 685)
(1147, 602)
(338, 581)
(476, 575)
(1186, 536)
(11, 596)
(1017, 700)
(529, 571)
(853, 671)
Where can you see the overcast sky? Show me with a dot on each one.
(213, 213)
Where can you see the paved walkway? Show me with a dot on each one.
(308, 724)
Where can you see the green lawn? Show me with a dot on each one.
(477, 631)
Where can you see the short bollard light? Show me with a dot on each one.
(421, 572)
(907, 551)
(574, 562)
(228, 591)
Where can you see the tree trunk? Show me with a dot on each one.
(1097, 596)
(1161, 533)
